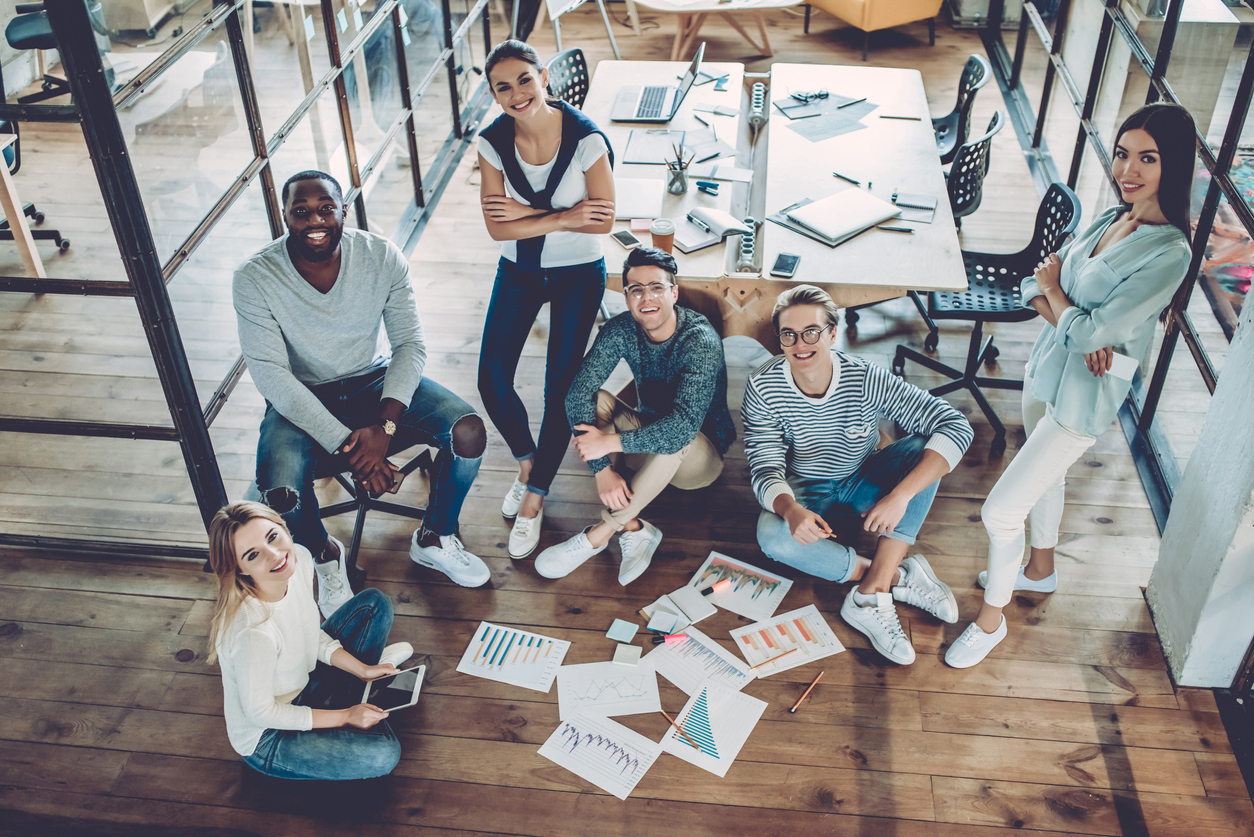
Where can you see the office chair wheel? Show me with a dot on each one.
(931, 341)
(998, 448)
(151, 33)
(991, 354)
(899, 367)
(39, 217)
(64, 245)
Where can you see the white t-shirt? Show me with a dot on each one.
(266, 654)
(560, 248)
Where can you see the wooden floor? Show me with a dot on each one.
(110, 722)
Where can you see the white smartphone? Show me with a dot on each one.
(396, 691)
(626, 239)
(785, 265)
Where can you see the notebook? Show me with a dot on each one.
(843, 213)
(638, 198)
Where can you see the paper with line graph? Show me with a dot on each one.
(508, 655)
(605, 689)
(802, 629)
(718, 722)
(698, 658)
(602, 751)
(753, 593)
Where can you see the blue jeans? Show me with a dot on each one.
(362, 626)
(288, 458)
(574, 294)
(850, 497)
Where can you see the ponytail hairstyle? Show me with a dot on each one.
(234, 587)
(523, 52)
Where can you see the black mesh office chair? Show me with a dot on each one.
(993, 296)
(953, 129)
(965, 180)
(568, 76)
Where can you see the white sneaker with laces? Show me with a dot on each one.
(333, 587)
(525, 535)
(920, 587)
(637, 548)
(973, 645)
(396, 653)
(562, 559)
(513, 500)
(879, 623)
(451, 558)
(1048, 584)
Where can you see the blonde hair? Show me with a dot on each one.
(234, 587)
(805, 295)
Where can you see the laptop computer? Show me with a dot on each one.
(655, 103)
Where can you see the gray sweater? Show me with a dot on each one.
(681, 383)
(294, 337)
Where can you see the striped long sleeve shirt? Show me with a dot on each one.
(788, 433)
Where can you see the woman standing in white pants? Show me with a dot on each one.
(1100, 297)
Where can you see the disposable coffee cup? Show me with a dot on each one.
(663, 232)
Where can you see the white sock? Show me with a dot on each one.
(864, 599)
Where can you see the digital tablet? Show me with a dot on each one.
(396, 691)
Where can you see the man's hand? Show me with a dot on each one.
(806, 526)
(586, 213)
(1099, 361)
(1048, 272)
(593, 444)
(884, 516)
(369, 449)
(612, 489)
(502, 208)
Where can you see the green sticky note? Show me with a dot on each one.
(622, 631)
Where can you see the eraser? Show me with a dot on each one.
(622, 630)
(641, 224)
(627, 655)
(672, 639)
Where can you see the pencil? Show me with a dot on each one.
(847, 179)
(678, 727)
(854, 102)
(697, 117)
(911, 118)
(813, 683)
(773, 659)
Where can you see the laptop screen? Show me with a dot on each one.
(690, 76)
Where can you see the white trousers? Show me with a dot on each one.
(1031, 487)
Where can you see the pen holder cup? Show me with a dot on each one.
(677, 182)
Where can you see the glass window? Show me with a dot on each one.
(289, 55)
(315, 143)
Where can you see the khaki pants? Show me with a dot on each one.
(695, 466)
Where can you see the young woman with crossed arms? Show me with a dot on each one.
(1099, 295)
(547, 190)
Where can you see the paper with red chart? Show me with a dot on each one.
(801, 634)
(602, 751)
(753, 593)
(716, 722)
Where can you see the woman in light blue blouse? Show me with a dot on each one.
(1100, 297)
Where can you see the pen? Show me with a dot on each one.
(806, 692)
(700, 223)
(854, 102)
(847, 179)
(697, 116)
(895, 229)
(710, 156)
(773, 659)
(678, 727)
(911, 118)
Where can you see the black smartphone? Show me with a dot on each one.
(626, 239)
(785, 265)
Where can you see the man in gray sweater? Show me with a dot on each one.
(309, 306)
(678, 434)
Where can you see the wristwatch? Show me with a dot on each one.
(389, 427)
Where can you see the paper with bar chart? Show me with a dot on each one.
(802, 629)
(606, 689)
(602, 751)
(698, 658)
(508, 655)
(753, 593)
(718, 721)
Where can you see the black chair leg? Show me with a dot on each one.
(931, 31)
(806, 29)
(866, 44)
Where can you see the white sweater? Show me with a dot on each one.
(266, 654)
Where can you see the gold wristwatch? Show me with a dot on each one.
(389, 427)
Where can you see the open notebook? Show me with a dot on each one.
(842, 214)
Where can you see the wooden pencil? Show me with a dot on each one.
(678, 727)
(814, 683)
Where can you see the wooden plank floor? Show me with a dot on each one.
(110, 722)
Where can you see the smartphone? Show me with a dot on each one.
(785, 265)
(626, 239)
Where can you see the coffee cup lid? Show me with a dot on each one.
(661, 226)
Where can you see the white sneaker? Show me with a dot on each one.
(396, 653)
(452, 559)
(920, 587)
(513, 500)
(525, 535)
(637, 548)
(973, 645)
(879, 623)
(333, 587)
(1048, 584)
(562, 559)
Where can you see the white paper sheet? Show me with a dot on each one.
(754, 593)
(803, 629)
(508, 655)
(602, 751)
(698, 658)
(718, 720)
(606, 689)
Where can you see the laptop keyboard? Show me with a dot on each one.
(651, 102)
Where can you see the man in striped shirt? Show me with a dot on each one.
(811, 426)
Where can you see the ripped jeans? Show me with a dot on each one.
(289, 460)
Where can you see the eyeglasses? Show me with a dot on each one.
(638, 292)
(809, 97)
(810, 336)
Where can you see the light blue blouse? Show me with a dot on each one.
(1116, 298)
